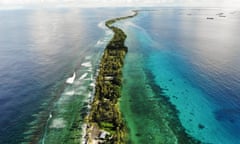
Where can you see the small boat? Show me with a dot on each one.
(71, 79)
(210, 18)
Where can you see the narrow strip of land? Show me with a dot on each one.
(104, 122)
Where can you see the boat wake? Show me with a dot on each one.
(86, 64)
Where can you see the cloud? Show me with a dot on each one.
(89, 3)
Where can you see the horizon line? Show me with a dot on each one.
(109, 6)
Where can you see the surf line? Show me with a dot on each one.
(104, 121)
(45, 129)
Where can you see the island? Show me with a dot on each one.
(104, 123)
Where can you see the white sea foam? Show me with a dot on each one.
(58, 123)
(107, 37)
(92, 84)
(70, 80)
(100, 43)
(102, 25)
(86, 64)
(70, 93)
(87, 79)
(50, 115)
(108, 33)
(83, 76)
(89, 95)
(84, 133)
(79, 93)
(90, 69)
(89, 106)
(91, 77)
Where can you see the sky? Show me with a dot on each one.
(97, 3)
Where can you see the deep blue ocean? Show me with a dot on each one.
(195, 61)
(39, 50)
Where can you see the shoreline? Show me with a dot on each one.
(104, 123)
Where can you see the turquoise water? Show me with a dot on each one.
(192, 62)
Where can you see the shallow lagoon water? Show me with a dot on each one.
(194, 62)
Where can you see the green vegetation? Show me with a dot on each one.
(104, 114)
